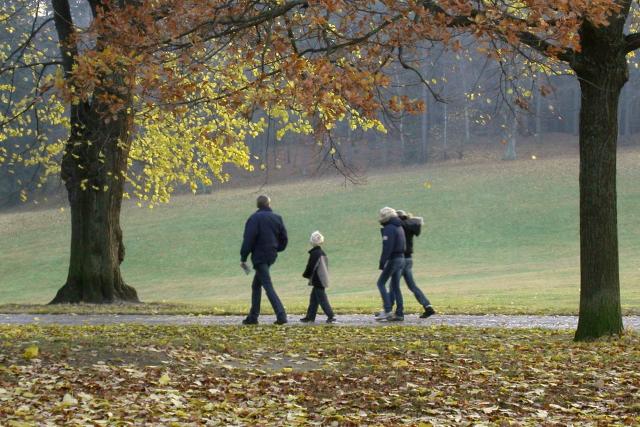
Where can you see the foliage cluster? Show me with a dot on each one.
(191, 75)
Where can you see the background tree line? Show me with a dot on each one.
(472, 114)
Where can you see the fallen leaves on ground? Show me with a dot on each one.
(232, 375)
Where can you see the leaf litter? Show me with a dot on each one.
(246, 376)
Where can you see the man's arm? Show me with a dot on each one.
(249, 240)
(387, 245)
(283, 239)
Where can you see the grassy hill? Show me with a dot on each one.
(500, 237)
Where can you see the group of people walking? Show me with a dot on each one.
(265, 236)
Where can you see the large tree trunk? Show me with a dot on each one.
(92, 169)
(602, 71)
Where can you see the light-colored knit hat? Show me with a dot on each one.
(316, 238)
(386, 214)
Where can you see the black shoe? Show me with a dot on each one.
(307, 320)
(428, 312)
(332, 320)
(249, 322)
(280, 322)
(395, 318)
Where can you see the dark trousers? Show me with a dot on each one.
(393, 269)
(407, 273)
(262, 279)
(318, 298)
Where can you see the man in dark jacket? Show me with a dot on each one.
(412, 227)
(264, 236)
(391, 264)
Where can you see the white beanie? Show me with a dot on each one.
(386, 214)
(316, 238)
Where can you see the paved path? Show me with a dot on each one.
(481, 321)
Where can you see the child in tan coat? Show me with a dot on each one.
(317, 272)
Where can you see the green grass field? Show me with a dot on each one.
(500, 237)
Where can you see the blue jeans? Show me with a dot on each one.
(318, 298)
(407, 273)
(262, 279)
(393, 269)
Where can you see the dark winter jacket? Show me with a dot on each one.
(264, 236)
(411, 227)
(393, 241)
(312, 272)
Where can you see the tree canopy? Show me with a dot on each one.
(193, 73)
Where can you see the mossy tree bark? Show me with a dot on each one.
(93, 170)
(602, 70)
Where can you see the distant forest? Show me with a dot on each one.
(472, 105)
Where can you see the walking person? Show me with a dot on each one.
(264, 236)
(317, 272)
(412, 227)
(391, 264)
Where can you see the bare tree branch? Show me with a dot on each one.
(32, 34)
(527, 38)
(64, 26)
(632, 42)
(417, 72)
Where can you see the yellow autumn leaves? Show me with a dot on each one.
(225, 375)
(32, 119)
(31, 352)
(192, 114)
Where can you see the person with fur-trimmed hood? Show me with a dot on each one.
(317, 272)
(412, 227)
(391, 264)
